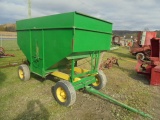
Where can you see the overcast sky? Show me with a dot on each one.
(124, 14)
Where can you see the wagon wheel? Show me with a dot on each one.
(147, 54)
(64, 93)
(140, 56)
(2, 51)
(101, 81)
(24, 72)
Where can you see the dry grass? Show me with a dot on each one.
(33, 99)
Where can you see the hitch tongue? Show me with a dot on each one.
(96, 92)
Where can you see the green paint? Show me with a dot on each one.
(84, 82)
(54, 42)
(94, 91)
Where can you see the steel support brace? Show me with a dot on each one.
(72, 71)
(95, 60)
(96, 92)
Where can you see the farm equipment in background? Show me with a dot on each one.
(109, 63)
(141, 47)
(151, 68)
(53, 44)
(116, 40)
(2, 53)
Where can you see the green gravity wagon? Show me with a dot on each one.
(53, 45)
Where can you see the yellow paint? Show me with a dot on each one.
(77, 79)
(63, 76)
(61, 94)
(80, 70)
(97, 83)
(21, 74)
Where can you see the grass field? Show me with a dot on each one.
(33, 99)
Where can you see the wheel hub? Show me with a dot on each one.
(21, 74)
(61, 94)
(97, 82)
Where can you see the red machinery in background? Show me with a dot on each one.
(2, 53)
(141, 47)
(151, 68)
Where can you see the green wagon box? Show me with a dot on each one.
(56, 42)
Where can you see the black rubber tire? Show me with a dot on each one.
(101, 79)
(69, 90)
(26, 72)
(140, 56)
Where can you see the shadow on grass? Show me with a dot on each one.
(133, 74)
(52, 91)
(37, 77)
(35, 111)
(3, 77)
(48, 77)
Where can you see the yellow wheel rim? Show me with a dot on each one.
(96, 83)
(21, 74)
(61, 94)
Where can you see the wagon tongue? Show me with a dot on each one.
(96, 92)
